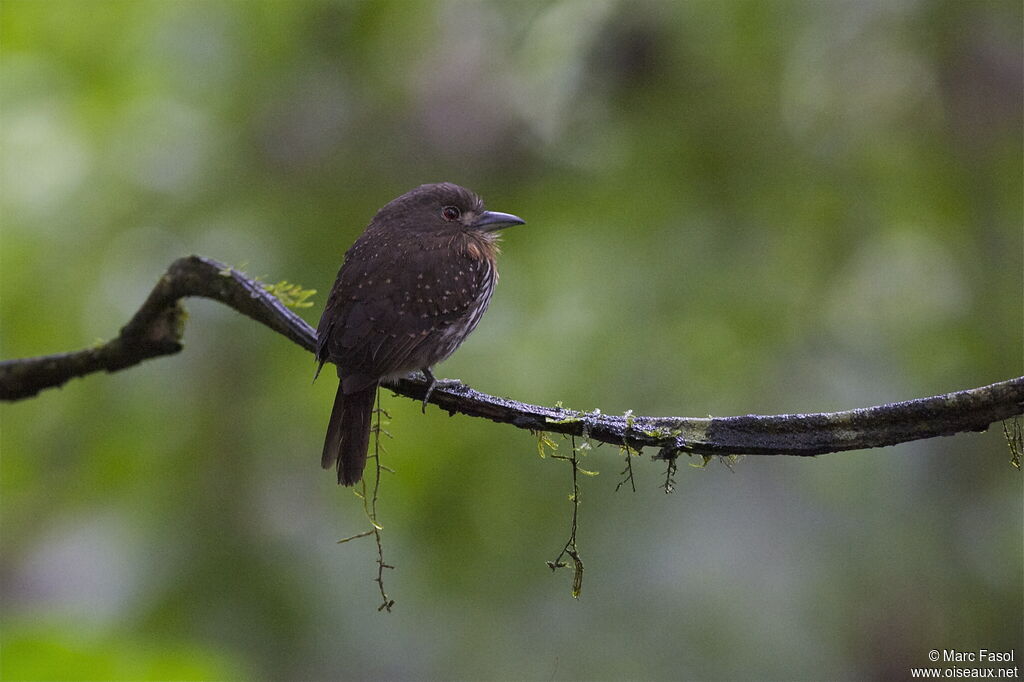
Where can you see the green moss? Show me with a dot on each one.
(292, 295)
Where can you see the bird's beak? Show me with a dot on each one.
(489, 221)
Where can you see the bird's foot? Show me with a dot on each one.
(436, 383)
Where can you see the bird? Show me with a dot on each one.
(410, 290)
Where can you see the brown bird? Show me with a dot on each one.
(411, 289)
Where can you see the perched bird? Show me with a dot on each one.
(411, 289)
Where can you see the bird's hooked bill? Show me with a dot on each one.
(489, 221)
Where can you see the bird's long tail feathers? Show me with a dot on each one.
(348, 434)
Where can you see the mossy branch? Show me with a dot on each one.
(157, 327)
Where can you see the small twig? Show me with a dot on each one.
(729, 462)
(386, 603)
(357, 536)
(627, 472)
(671, 467)
(370, 505)
(570, 545)
(1015, 441)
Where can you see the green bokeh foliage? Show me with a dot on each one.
(732, 208)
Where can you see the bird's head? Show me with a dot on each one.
(442, 208)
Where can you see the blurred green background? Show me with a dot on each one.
(733, 207)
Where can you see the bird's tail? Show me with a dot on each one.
(348, 434)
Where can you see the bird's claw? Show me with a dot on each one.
(436, 383)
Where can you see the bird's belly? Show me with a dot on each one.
(442, 341)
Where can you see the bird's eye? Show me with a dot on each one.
(451, 213)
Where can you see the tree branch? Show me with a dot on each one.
(157, 327)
